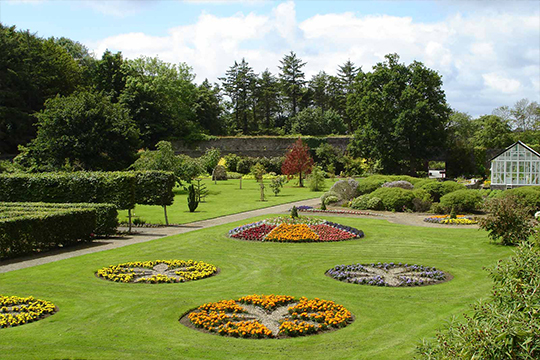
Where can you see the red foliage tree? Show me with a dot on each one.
(297, 161)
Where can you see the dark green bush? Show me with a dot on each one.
(154, 188)
(464, 201)
(244, 165)
(438, 189)
(26, 233)
(231, 161)
(106, 214)
(451, 186)
(369, 185)
(394, 199)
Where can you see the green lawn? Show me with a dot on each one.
(224, 198)
(98, 319)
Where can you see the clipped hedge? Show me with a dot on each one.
(463, 201)
(106, 214)
(27, 233)
(438, 189)
(121, 188)
(394, 199)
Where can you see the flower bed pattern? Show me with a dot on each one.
(16, 310)
(302, 229)
(158, 271)
(445, 219)
(269, 316)
(388, 274)
(306, 208)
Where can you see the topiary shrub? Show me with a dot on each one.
(219, 173)
(464, 201)
(394, 199)
(400, 184)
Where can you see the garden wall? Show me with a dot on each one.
(255, 146)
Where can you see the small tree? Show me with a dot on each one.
(508, 221)
(316, 179)
(297, 161)
(276, 184)
(258, 171)
(294, 212)
(192, 199)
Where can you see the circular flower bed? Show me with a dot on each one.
(446, 219)
(158, 271)
(306, 208)
(16, 310)
(268, 316)
(388, 274)
(302, 229)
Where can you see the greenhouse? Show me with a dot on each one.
(518, 165)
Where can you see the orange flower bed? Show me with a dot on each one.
(303, 317)
(292, 232)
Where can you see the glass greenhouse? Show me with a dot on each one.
(518, 165)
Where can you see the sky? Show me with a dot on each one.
(487, 51)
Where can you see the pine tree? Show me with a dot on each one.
(292, 79)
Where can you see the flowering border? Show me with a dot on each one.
(15, 311)
(306, 208)
(447, 220)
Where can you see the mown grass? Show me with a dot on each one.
(98, 319)
(224, 198)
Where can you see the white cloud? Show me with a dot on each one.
(501, 83)
(487, 59)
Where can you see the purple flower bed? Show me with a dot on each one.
(387, 274)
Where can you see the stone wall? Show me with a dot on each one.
(255, 146)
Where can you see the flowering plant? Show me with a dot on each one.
(16, 310)
(446, 219)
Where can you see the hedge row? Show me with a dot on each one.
(106, 220)
(25, 234)
(123, 189)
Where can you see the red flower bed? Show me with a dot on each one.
(329, 233)
(255, 233)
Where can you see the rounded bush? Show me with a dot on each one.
(360, 203)
(526, 196)
(400, 184)
(375, 203)
(345, 189)
(450, 186)
(368, 185)
(331, 199)
(394, 199)
(463, 201)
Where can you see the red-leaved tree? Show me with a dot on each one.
(297, 161)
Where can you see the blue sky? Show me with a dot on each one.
(488, 52)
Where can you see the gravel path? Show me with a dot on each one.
(140, 235)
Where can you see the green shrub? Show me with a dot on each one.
(244, 165)
(329, 194)
(464, 201)
(394, 199)
(506, 326)
(233, 175)
(369, 184)
(450, 186)
(509, 221)
(41, 230)
(375, 203)
(231, 161)
(360, 203)
(210, 159)
(527, 196)
(106, 214)
(316, 179)
(331, 199)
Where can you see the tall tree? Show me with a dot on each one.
(319, 85)
(32, 70)
(161, 99)
(82, 56)
(83, 131)
(238, 85)
(110, 74)
(268, 98)
(292, 79)
(208, 109)
(347, 74)
(401, 112)
(493, 132)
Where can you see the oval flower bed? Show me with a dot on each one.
(268, 316)
(447, 220)
(306, 208)
(158, 271)
(388, 274)
(302, 229)
(16, 310)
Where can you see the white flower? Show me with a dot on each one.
(537, 215)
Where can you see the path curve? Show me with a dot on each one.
(141, 235)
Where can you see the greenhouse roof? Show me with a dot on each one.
(514, 144)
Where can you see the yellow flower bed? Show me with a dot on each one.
(228, 317)
(447, 220)
(16, 310)
(191, 270)
(292, 232)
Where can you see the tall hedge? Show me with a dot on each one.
(106, 214)
(121, 188)
(27, 233)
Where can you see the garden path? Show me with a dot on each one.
(141, 235)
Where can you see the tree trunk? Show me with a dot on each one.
(300, 177)
(129, 217)
(166, 218)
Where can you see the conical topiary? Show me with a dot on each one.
(192, 199)
(294, 212)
